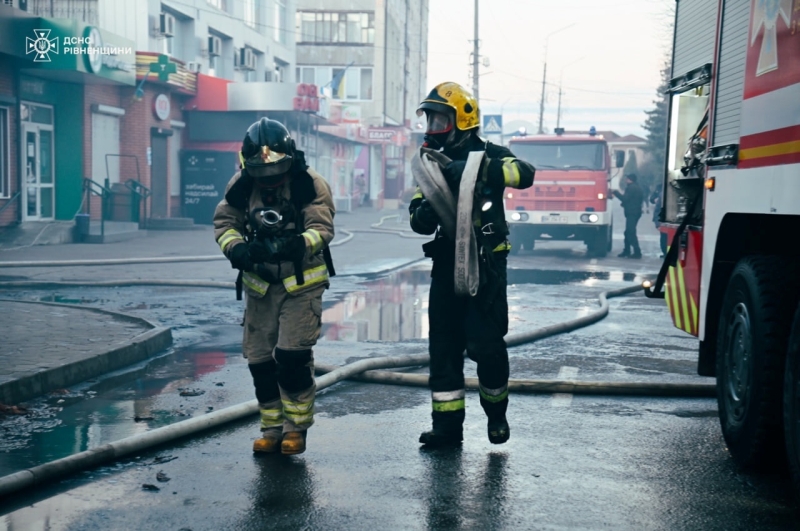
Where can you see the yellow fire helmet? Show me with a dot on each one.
(449, 95)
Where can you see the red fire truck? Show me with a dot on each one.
(569, 198)
(731, 210)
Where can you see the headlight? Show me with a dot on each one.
(593, 218)
(510, 195)
(601, 195)
(515, 216)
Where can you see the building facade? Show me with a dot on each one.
(369, 58)
(102, 132)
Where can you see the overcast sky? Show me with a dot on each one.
(608, 58)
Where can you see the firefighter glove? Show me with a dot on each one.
(240, 257)
(293, 248)
(452, 172)
(261, 252)
(426, 215)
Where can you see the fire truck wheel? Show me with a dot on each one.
(751, 351)
(598, 246)
(791, 401)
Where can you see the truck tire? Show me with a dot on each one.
(753, 329)
(598, 246)
(791, 401)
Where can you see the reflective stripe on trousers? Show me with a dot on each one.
(443, 401)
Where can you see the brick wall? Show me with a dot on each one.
(8, 84)
(136, 129)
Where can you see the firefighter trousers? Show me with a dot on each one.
(280, 330)
(477, 325)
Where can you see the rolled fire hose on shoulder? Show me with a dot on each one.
(455, 217)
(47, 472)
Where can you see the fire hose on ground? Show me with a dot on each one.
(364, 370)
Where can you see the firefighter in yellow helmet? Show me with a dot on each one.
(477, 323)
(274, 225)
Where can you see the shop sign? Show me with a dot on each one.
(351, 114)
(381, 136)
(162, 107)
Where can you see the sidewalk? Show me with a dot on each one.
(50, 346)
(47, 346)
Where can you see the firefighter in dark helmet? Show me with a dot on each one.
(274, 225)
(477, 322)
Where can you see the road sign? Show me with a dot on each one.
(493, 124)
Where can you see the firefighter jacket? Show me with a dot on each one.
(307, 207)
(499, 170)
(631, 200)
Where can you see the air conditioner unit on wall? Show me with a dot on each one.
(193, 67)
(167, 25)
(249, 59)
(214, 46)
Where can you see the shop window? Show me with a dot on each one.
(5, 183)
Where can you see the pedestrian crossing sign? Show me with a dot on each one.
(493, 124)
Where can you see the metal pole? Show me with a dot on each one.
(558, 116)
(475, 58)
(541, 101)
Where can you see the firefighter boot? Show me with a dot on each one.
(294, 442)
(498, 430)
(269, 442)
(447, 430)
(497, 426)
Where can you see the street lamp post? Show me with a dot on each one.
(560, 92)
(544, 77)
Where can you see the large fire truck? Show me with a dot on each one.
(731, 210)
(569, 200)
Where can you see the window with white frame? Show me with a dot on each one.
(280, 21)
(5, 183)
(250, 12)
(219, 4)
(335, 27)
(346, 83)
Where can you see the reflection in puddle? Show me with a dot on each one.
(392, 308)
(555, 277)
(395, 307)
(117, 406)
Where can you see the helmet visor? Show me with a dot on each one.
(439, 122)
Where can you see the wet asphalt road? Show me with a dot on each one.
(573, 462)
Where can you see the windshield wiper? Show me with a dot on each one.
(579, 167)
(546, 166)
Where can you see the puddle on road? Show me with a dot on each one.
(394, 308)
(119, 405)
(390, 308)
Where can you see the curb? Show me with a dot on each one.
(119, 355)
